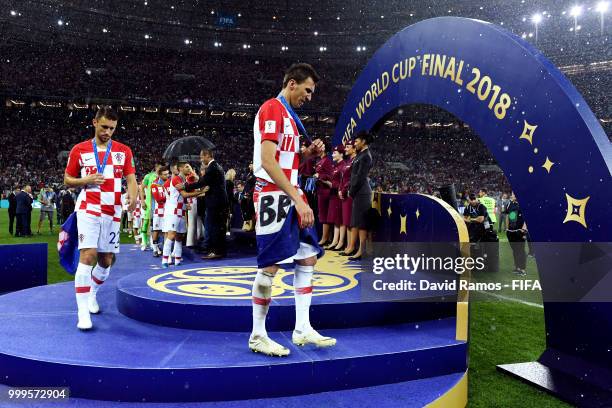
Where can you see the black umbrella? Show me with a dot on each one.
(187, 146)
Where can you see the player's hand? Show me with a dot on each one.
(180, 186)
(144, 206)
(305, 214)
(316, 147)
(95, 179)
(130, 203)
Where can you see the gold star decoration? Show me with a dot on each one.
(576, 210)
(389, 209)
(528, 131)
(403, 224)
(418, 214)
(548, 164)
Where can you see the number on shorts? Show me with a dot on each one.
(112, 240)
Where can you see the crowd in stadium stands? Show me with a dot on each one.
(413, 160)
(140, 74)
(163, 76)
(408, 157)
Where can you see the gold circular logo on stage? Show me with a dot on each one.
(236, 282)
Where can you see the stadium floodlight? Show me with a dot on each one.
(13, 13)
(322, 49)
(60, 22)
(147, 37)
(316, 33)
(284, 48)
(602, 7)
(536, 19)
(105, 30)
(217, 44)
(187, 41)
(575, 12)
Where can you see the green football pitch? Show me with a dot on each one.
(505, 327)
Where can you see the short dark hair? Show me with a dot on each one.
(162, 169)
(484, 190)
(472, 196)
(299, 73)
(207, 152)
(365, 136)
(107, 112)
(181, 164)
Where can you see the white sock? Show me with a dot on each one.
(178, 251)
(167, 250)
(82, 285)
(262, 292)
(98, 276)
(302, 283)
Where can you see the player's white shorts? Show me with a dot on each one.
(101, 233)
(158, 223)
(174, 223)
(130, 216)
(137, 222)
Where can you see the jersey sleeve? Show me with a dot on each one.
(73, 166)
(157, 194)
(129, 167)
(176, 181)
(270, 121)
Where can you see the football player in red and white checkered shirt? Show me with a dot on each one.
(159, 193)
(175, 214)
(98, 207)
(284, 229)
(137, 217)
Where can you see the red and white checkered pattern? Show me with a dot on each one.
(274, 123)
(175, 203)
(103, 200)
(137, 213)
(159, 194)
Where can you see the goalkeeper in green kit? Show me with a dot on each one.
(147, 205)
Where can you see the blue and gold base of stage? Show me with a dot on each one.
(395, 353)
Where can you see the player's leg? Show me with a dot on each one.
(302, 283)
(108, 244)
(154, 241)
(181, 230)
(144, 230)
(168, 242)
(259, 341)
(89, 232)
(177, 252)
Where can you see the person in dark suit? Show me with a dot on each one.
(360, 190)
(230, 176)
(246, 201)
(23, 211)
(216, 204)
(12, 209)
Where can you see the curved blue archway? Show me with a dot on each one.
(549, 144)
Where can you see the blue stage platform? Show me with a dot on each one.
(124, 359)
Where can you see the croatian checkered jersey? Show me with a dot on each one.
(175, 203)
(274, 123)
(101, 200)
(137, 208)
(159, 194)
